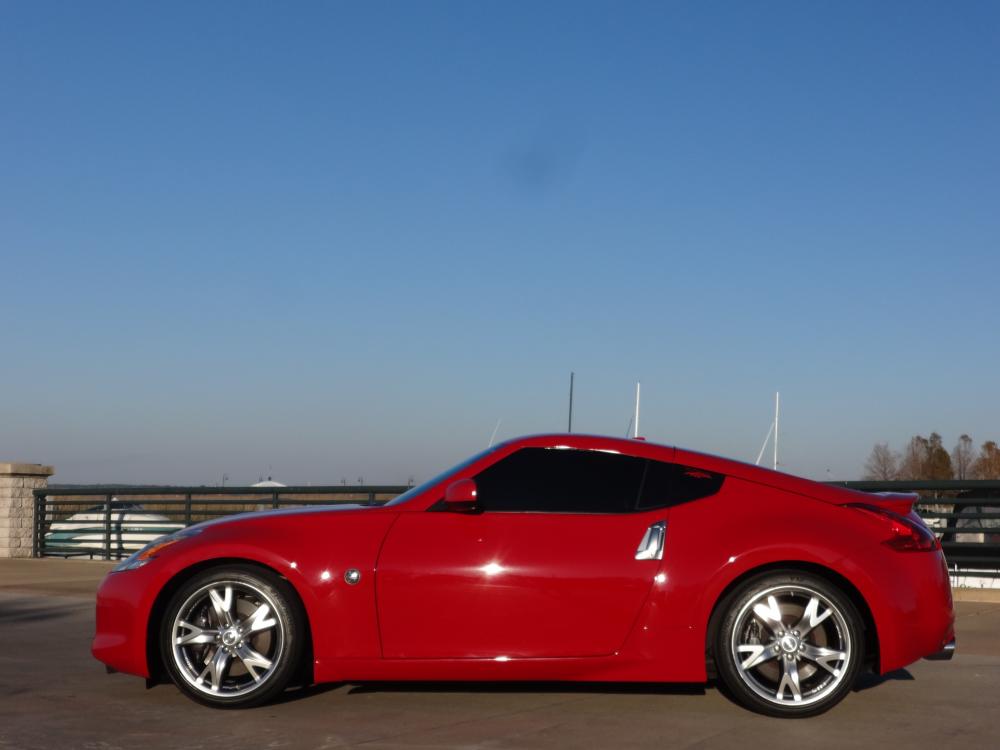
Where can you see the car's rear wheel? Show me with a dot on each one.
(789, 644)
(232, 636)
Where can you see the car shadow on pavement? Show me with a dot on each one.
(866, 681)
(650, 688)
(300, 692)
(304, 692)
(607, 688)
(870, 679)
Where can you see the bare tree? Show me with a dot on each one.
(882, 463)
(925, 458)
(962, 457)
(938, 464)
(987, 465)
(911, 465)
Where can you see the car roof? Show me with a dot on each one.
(658, 451)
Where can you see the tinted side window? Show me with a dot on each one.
(561, 481)
(672, 484)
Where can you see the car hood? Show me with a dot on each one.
(257, 515)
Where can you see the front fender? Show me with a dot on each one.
(312, 551)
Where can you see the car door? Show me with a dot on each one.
(546, 567)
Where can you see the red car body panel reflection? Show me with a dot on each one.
(509, 585)
(544, 596)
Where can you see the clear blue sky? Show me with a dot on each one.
(342, 240)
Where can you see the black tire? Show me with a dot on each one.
(799, 661)
(244, 636)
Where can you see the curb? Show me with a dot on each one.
(989, 596)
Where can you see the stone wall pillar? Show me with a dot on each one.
(17, 505)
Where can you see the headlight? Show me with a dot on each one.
(151, 550)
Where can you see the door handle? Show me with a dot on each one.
(651, 546)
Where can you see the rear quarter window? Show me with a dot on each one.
(667, 484)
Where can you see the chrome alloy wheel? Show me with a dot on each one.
(228, 638)
(791, 645)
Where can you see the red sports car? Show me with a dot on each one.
(556, 557)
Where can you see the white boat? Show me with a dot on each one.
(132, 527)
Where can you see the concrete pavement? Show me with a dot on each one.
(53, 694)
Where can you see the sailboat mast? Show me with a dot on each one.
(569, 427)
(777, 410)
(635, 421)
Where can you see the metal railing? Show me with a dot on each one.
(113, 522)
(964, 514)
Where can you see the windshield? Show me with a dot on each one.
(420, 488)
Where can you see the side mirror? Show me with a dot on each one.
(460, 497)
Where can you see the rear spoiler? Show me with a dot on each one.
(898, 502)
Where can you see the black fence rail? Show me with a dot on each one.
(113, 522)
(964, 514)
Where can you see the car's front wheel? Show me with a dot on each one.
(789, 644)
(232, 636)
